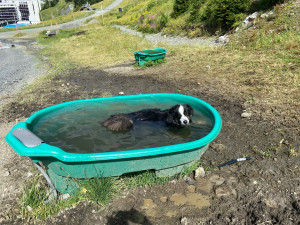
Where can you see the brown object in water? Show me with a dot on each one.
(119, 122)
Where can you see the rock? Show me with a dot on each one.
(29, 174)
(246, 114)
(29, 208)
(217, 179)
(173, 181)
(249, 21)
(191, 188)
(188, 180)
(223, 40)
(222, 192)
(276, 202)
(163, 199)
(234, 192)
(64, 197)
(184, 221)
(6, 173)
(200, 172)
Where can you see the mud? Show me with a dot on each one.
(263, 190)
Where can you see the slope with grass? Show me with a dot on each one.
(258, 71)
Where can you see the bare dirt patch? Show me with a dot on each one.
(263, 190)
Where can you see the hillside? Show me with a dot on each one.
(253, 80)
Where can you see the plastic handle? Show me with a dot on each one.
(28, 138)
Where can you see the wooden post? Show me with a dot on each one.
(102, 14)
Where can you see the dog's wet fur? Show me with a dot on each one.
(179, 115)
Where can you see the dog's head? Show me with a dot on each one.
(180, 115)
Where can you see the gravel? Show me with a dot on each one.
(160, 38)
(18, 68)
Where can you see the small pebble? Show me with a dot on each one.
(6, 173)
(246, 115)
(188, 180)
(163, 199)
(191, 188)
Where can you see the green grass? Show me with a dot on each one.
(55, 11)
(142, 179)
(33, 197)
(96, 48)
(99, 190)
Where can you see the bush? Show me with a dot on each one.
(264, 4)
(164, 19)
(180, 7)
(223, 14)
(195, 15)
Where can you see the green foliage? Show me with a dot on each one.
(222, 14)
(264, 4)
(34, 194)
(195, 15)
(180, 7)
(164, 19)
(142, 179)
(99, 190)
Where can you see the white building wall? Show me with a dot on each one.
(34, 7)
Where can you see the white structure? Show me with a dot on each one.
(13, 11)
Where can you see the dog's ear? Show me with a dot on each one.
(171, 115)
(173, 109)
(190, 109)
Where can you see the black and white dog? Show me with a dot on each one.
(178, 115)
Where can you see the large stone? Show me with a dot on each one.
(199, 173)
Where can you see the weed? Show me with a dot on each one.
(141, 179)
(33, 197)
(19, 34)
(99, 190)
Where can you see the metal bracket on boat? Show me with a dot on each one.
(28, 138)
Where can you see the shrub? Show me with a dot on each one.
(180, 7)
(195, 15)
(164, 19)
(224, 13)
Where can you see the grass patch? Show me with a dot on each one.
(96, 48)
(141, 179)
(99, 190)
(19, 35)
(104, 4)
(32, 199)
(55, 11)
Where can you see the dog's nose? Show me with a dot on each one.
(185, 122)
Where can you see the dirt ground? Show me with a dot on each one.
(263, 190)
